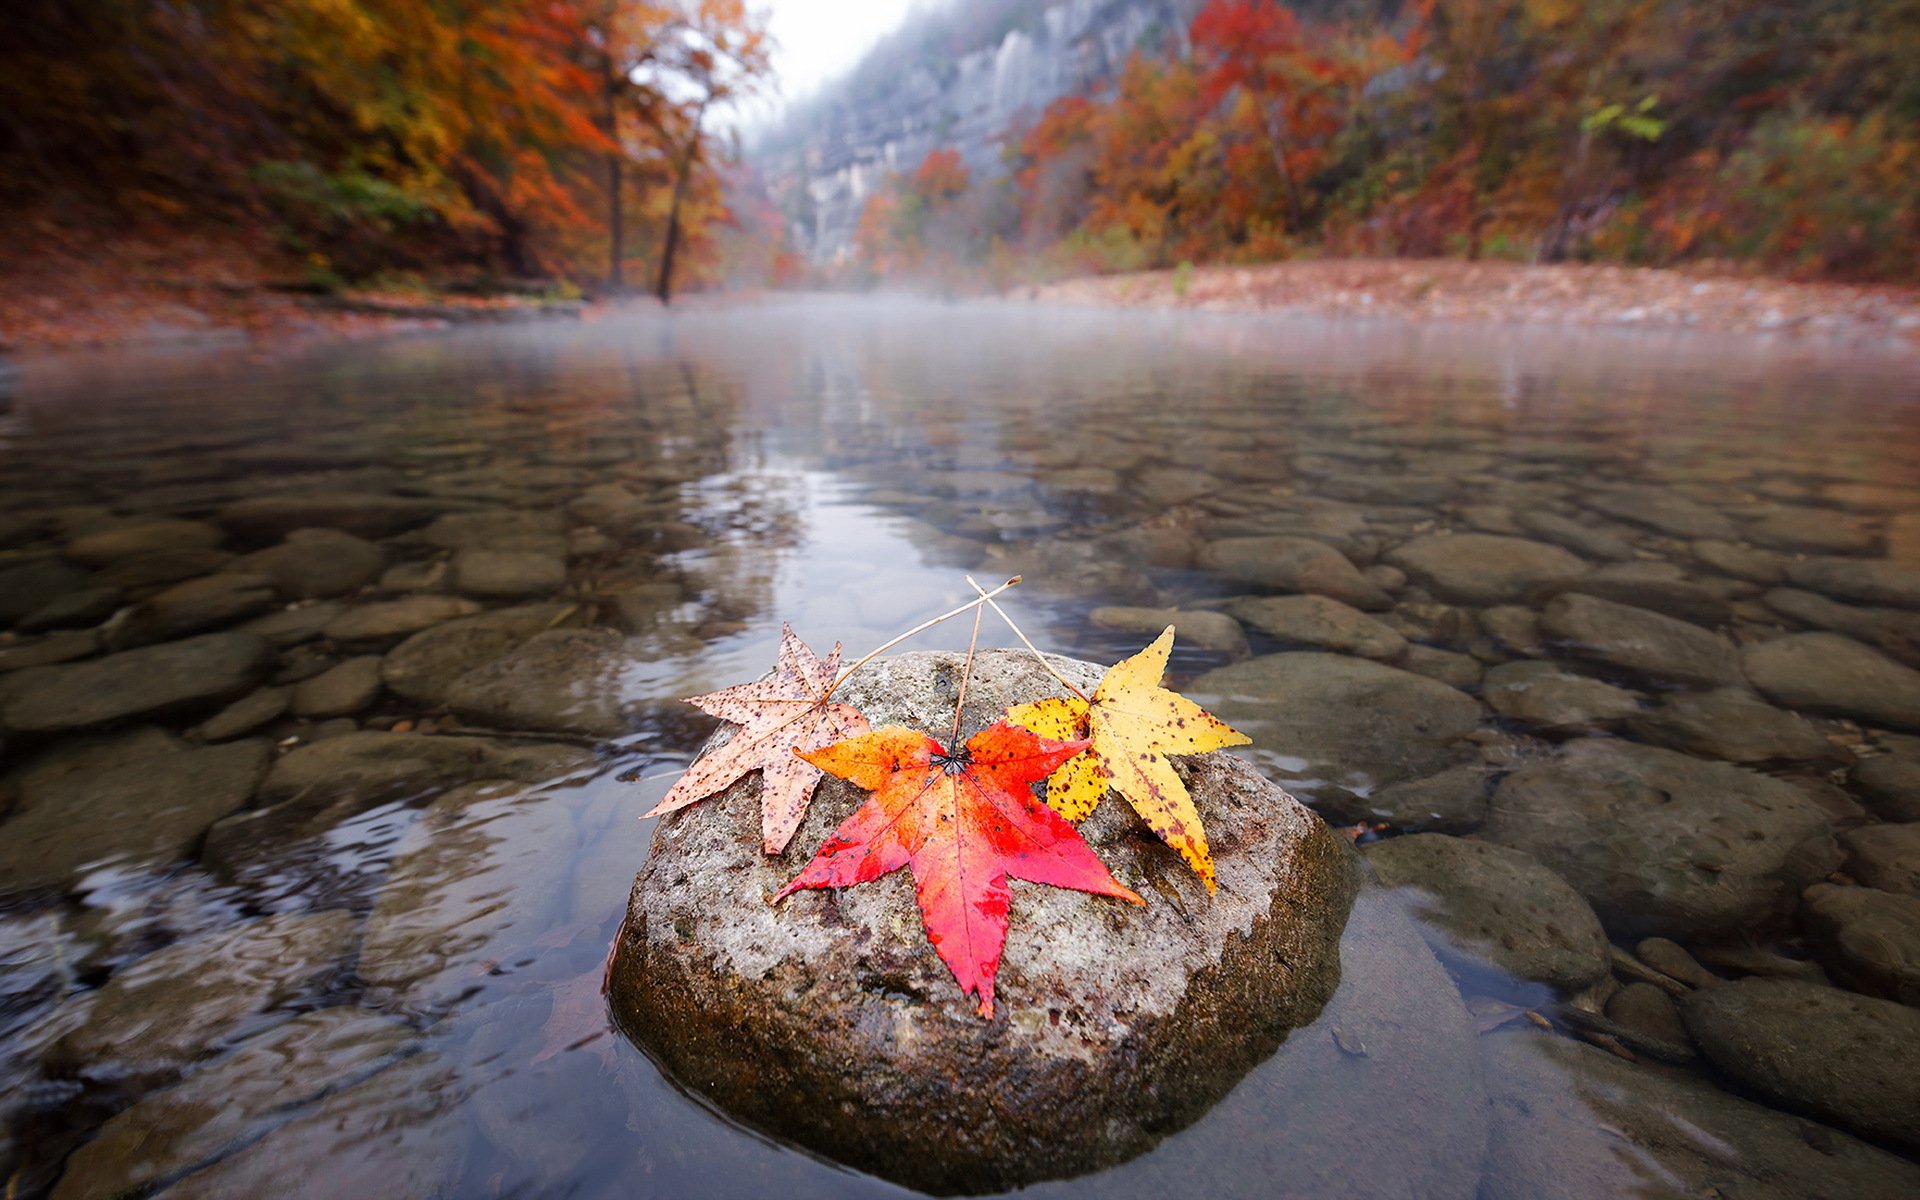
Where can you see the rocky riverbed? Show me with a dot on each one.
(317, 679)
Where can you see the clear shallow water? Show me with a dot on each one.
(839, 467)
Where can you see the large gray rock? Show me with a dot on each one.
(1112, 1028)
(1320, 621)
(1480, 568)
(1827, 673)
(1339, 727)
(161, 1015)
(1493, 905)
(1208, 630)
(1555, 699)
(340, 690)
(1571, 1122)
(318, 562)
(197, 673)
(232, 1102)
(1293, 564)
(1868, 938)
(1731, 724)
(149, 810)
(1640, 642)
(1835, 1055)
(1663, 843)
(561, 681)
(1860, 580)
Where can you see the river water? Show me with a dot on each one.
(338, 677)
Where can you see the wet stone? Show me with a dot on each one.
(159, 1016)
(1885, 857)
(339, 691)
(1741, 562)
(1835, 675)
(1480, 568)
(539, 532)
(1492, 905)
(1337, 727)
(388, 619)
(506, 573)
(1661, 843)
(211, 602)
(364, 514)
(148, 810)
(26, 588)
(1889, 630)
(313, 563)
(245, 715)
(563, 681)
(231, 1102)
(1868, 938)
(1452, 801)
(1321, 622)
(1648, 1012)
(1731, 724)
(1554, 699)
(175, 676)
(1810, 531)
(1213, 631)
(1640, 642)
(142, 537)
(1293, 564)
(1665, 511)
(1671, 959)
(1514, 628)
(1860, 580)
(1834, 1055)
(159, 568)
(1584, 540)
(1891, 785)
(424, 666)
(1111, 1030)
(74, 610)
(1447, 666)
(1571, 1121)
(49, 650)
(296, 623)
(1636, 585)
(401, 1128)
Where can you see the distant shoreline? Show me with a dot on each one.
(1514, 293)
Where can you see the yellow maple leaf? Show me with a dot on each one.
(1133, 724)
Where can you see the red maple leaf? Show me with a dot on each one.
(963, 821)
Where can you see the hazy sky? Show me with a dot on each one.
(820, 39)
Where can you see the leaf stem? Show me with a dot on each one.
(986, 598)
(966, 673)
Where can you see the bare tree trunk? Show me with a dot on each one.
(1278, 147)
(663, 287)
(616, 227)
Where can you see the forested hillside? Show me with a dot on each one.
(1782, 135)
(516, 139)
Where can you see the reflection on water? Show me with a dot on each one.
(338, 658)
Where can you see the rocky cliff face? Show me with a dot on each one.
(967, 77)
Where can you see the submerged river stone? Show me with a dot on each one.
(1115, 1027)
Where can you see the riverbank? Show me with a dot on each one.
(62, 289)
(1517, 293)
